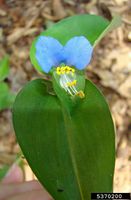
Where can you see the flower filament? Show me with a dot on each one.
(68, 80)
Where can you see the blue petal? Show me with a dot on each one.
(78, 52)
(48, 52)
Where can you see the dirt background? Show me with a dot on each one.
(21, 21)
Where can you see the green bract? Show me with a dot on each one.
(68, 142)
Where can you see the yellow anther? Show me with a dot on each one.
(80, 94)
(62, 70)
(65, 69)
(68, 84)
(58, 70)
(73, 70)
(68, 68)
(72, 83)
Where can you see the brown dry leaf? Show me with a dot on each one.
(122, 60)
(125, 88)
(2, 2)
(30, 31)
(129, 36)
(3, 13)
(129, 109)
(16, 34)
(22, 53)
(48, 16)
(119, 110)
(58, 9)
(7, 158)
(122, 179)
(107, 78)
(1, 34)
(20, 32)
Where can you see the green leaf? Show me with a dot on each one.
(116, 21)
(6, 97)
(71, 153)
(4, 68)
(3, 171)
(91, 26)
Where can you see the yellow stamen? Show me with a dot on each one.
(65, 70)
(62, 70)
(58, 70)
(80, 94)
(72, 83)
(68, 80)
(73, 70)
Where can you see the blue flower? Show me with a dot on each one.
(51, 53)
(64, 60)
